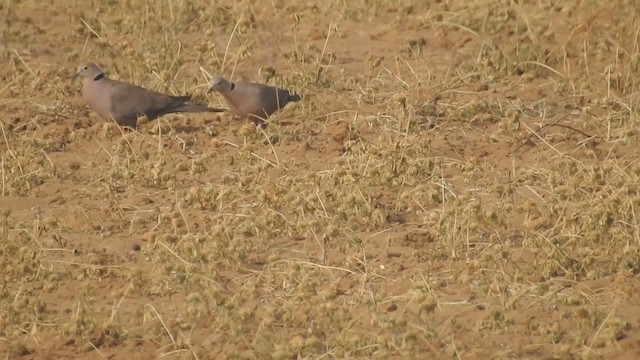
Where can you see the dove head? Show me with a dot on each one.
(218, 83)
(89, 70)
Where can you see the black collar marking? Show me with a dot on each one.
(233, 86)
(100, 76)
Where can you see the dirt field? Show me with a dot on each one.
(459, 182)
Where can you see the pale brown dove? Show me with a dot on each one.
(124, 103)
(251, 100)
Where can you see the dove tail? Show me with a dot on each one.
(180, 105)
(196, 108)
(294, 97)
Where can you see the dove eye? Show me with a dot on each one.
(85, 68)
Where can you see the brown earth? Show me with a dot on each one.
(459, 181)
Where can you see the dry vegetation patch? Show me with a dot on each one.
(460, 181)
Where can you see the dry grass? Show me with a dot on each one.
(460, 181)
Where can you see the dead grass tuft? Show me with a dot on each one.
(458, 181)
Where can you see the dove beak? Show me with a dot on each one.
(75, 76)
(210, 89)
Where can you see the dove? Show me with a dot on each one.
(250, 100)
(124, 103)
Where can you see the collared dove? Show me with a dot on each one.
(251, 100)
(124, 103)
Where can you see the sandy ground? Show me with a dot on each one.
(459, 181)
